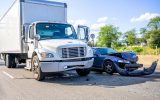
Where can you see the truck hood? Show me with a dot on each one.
(61, 43)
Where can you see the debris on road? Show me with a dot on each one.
(145, 71)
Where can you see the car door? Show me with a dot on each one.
(98, 59)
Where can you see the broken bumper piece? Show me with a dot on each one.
(127, 66)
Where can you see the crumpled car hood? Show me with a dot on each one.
(130, 56)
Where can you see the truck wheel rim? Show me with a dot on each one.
(35, 67)
(35, 63)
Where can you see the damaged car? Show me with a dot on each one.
(106, 58)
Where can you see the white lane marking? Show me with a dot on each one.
(7, 74)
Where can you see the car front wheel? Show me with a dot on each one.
(109, 67)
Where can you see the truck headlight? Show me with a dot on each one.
(47, 55)
(123, 61)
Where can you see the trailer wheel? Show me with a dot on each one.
(10, 61)
(38, 74)
(83, 72)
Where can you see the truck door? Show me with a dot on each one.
(31, 41)
(83, 33)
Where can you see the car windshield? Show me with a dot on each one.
(55, 31)
(105, 51)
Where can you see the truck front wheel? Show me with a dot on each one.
(38, 74)
(83, 72)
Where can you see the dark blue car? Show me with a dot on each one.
(106, 58)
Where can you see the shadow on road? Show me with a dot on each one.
(104, 80)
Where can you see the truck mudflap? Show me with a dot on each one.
(145, 71)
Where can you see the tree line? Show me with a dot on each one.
(149, 36)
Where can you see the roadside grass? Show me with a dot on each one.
(140, 50)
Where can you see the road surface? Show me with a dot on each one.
(18, 84)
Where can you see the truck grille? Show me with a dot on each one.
(73, 52)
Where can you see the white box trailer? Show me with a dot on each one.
(36, 32)
(24, 12)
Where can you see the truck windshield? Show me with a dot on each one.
(55, 31)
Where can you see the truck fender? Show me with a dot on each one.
(36, 52)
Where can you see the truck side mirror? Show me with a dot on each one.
(23, 34)
(83, 33)
(37, 37)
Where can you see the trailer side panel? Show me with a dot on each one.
(43, 11)
(10, 30)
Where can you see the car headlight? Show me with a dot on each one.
(47, 55)
(123, 61)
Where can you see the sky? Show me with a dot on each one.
(125, 14)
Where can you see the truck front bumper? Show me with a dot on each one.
(65, 65)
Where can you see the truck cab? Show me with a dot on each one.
(56, 47)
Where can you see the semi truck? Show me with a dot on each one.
(37, 33)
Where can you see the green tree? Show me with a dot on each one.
(130, 37)
(153, 33)
(154, 23)
(145, 35)
(108, 36)
(154, 38)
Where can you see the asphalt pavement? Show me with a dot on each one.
(19, 84)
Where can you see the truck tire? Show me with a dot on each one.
(10, 61)
(83, 72)
(38, 74)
